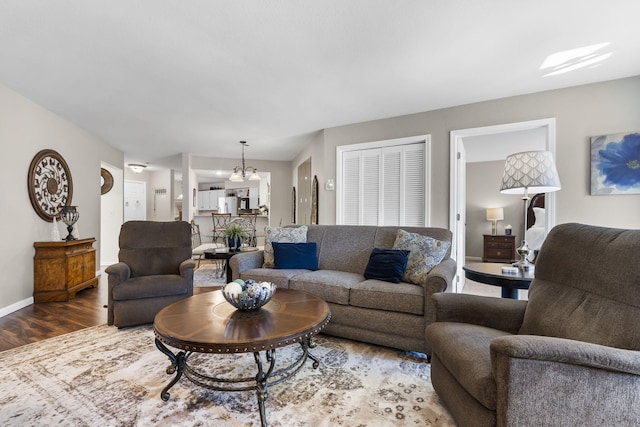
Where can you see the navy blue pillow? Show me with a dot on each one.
(295, 255)
(387, 264)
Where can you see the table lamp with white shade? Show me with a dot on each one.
(494, 215)
(529, 171)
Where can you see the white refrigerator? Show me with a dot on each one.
(228, 205)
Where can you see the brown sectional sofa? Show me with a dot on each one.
(374, 311)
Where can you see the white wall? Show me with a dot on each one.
(111, 215)
(160, 208)
(25, 129)
(580, 112)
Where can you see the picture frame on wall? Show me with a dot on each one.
(615, 164)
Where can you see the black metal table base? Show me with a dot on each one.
(266, 376)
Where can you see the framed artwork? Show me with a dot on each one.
(615, 164)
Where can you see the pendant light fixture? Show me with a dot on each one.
(240, 172)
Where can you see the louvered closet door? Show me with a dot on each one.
(370, 187)
(392, 186)
(384, 186)
(351, 188)
(413, 176)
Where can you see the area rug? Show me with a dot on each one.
(207, 275)
(103, 376)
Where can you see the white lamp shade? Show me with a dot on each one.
(236, 177)
(530, 171)
(495, 214)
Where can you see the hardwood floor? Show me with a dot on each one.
(45, 320)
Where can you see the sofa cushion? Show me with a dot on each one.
(424, 253)
(284, 235)
(150, 287)
(331, 286)
(295, 255)
(464, 350)
(387, 264)
(381, 295)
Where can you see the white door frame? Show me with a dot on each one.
(457, 168)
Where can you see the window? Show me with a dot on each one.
(384, 183)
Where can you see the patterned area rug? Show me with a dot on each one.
(109, 377)
(208, 275)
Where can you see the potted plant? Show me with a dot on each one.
(234, 233)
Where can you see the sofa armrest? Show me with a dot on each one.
(245, 261)
(186, 268)
(440, 277)
(497, 313)
(118, 273)
(557, 381)
(567, 351)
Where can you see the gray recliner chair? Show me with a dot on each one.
(570, 356)
(155, 270)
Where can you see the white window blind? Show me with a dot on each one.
(384, 186)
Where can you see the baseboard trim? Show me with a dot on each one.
(15, 306)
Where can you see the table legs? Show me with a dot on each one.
(266, 376)
(509, 293)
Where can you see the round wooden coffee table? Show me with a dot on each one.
(207, 323)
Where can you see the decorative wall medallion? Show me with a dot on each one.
(106, 181)
(49, 183)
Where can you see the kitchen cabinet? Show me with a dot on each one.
(208, 199)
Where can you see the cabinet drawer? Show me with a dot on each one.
(500, 239)
(498, 253)
(499, 245)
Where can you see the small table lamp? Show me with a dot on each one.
(494, 215)
(529, 171)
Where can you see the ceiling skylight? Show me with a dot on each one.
(574, 59)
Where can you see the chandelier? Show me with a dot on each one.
(240, 172)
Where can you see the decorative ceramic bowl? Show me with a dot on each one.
(249, 295)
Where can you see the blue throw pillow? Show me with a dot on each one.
(387, 264)
(295, 255)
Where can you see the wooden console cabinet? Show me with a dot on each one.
(60, 269)
(499, 248)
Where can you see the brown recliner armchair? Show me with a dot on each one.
(570, 356)
(155, 270)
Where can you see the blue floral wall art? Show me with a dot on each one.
(615, 164)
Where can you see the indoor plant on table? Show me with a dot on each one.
(234, 232)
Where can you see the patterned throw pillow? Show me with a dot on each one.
(425, 253)
(282, 235)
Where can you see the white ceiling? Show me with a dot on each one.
(159, 77)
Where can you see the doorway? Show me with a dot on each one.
(486, 138)
(135, 200)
